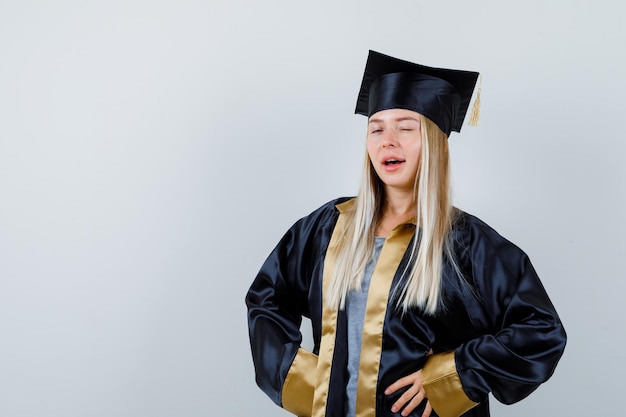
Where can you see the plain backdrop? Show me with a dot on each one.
(152, 153)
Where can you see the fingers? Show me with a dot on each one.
(427, 410)
(400, 383)
(412, 398)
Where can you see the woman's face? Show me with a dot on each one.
(394, 144)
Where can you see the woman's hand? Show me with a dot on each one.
(412, 397)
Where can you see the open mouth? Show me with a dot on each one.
(392, 161)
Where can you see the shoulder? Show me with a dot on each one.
(473, 234)
(465, 220)
(467, 225)
(322, 218)
(329, 210)
(334, 205)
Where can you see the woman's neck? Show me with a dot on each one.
(397, 209)
(398, 203)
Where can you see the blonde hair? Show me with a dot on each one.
(435, 215)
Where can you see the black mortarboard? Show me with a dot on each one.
(442, 95)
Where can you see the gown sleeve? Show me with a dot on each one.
(277, 300)
(521, 337)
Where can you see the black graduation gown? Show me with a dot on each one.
(498, 332)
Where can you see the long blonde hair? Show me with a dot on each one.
(435, 215)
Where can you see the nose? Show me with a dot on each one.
(390, 139)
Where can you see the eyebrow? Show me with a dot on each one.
(400, 119)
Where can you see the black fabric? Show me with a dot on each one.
(498, 319)
(443, 95)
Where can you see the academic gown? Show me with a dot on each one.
(497, 331)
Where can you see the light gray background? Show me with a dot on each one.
(153, 152)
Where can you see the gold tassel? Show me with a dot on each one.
(475, 115)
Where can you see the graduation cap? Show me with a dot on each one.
(442, 95)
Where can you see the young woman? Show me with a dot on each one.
(417, 308)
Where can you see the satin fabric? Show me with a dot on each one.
(505, 333)
(441, 94)
(429, 96)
